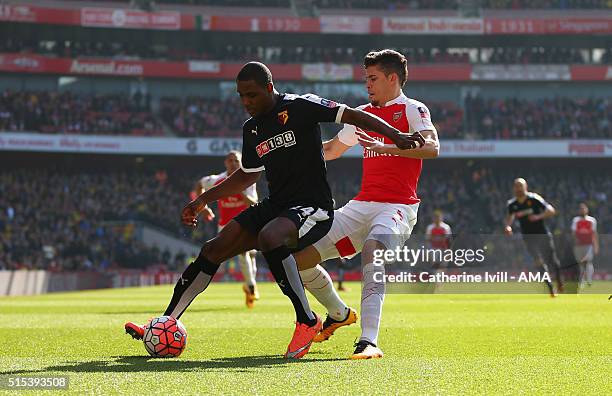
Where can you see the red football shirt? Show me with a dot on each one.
(439, 235)
(391, 178)
(584, 228)
(231, 206)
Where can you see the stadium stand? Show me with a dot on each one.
(300, 54)
(507, 118)
(64, 219)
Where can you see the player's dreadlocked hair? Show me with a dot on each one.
(255, 71)
(390, 62)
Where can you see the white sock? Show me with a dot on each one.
(372, 297)
(589, 272)
(318, 282)
(246, 266)
(582, 274)
(253, 254)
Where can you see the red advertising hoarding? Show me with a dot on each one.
(260, 24)
(130, 19)
(548, 25)
(32, 63)
(334, 24)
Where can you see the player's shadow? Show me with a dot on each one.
(191, 310)
(125, 364)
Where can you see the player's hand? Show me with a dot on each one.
(508, 230)
(191, 211)
(409, 141)
(368, 141)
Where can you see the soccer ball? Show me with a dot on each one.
(165, 337)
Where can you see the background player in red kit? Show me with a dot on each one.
(438, 233)
(586, 243)
(384, 212)
(230, 207)
(438, 237)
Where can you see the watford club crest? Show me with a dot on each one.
(283, 117)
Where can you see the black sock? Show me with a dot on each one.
(194, 280)
(284, 268)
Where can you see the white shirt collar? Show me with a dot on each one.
(400, 99)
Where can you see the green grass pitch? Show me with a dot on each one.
(434, 344)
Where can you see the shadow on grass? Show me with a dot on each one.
(152, 313)
(126, 364)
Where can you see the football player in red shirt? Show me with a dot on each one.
(586, 243)
(384, 212)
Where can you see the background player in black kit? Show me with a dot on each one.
(531, 210)
(283, 138)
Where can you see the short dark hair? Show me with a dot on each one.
(255, 71)
(389, 61)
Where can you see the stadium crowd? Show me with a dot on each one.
(198, 116)
(85, 220)
(508, 118)
(546, 118)
(66, 220)
(67, 112)
(297, 54)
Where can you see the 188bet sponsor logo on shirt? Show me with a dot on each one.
(284, 139)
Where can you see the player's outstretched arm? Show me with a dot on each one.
(334, 148)
(369, 122)
(234, 184)
(430, 149)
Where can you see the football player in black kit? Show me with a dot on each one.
(282, 138)
(531, 210)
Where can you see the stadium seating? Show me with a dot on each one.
(297, 54)
(61, 220)
(509, 118)
(547, 118)
(66, 112)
